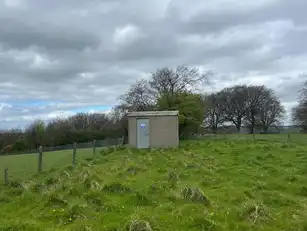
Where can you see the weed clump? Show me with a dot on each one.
(107, 151)
(195, 195)
(38, 187)
(139, 225)
(67, 174)
(203, 223)
(32, 186)
(254, 213)
(134, 170)
(73, 190)
(76, 211)
(15, 191)
(173, 178)
(303, 191)
(56, 200)
(157, 188)
(92, 184)
(89, 180)
(140, 199)
(116, 188)
(84, 175)
(69, 214)
(15, 184)
(51, 181)
(187, 193)
(292, 178)
(93, 198)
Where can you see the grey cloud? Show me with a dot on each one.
(289, 87)
(18, 34)
(68, 55)
(150, 49)
(295, 42)
(212, 21)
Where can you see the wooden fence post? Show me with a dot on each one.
(74, 154)
(40, 158)
(108, 142)
(94, 147)
(121, 141)
(288, 137)
(6, 176)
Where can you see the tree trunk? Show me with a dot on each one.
(238, 127)
(214, 129)
(238, 124)
(252, 128)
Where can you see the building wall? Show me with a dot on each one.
(163, 131)
(132, 131)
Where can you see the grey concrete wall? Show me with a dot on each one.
(132, 131)
(163, 130)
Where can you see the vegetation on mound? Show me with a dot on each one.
(205, 185)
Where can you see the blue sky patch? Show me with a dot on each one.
(31, 103)
(88, 109)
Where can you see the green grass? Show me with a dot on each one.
(25, 165)
(214, 184)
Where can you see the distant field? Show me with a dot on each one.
(297, 138)
(220, 183)
(25, 165)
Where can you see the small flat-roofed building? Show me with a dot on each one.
(153, 129)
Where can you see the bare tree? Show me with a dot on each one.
(119, 119)
(299, 112)
(98, 121)
(79, 121)
(235, 104)
(271, 111)
(139, 97)
(256, 95)
(215, 113)
(299, 115)
(59, 132)
(166, 82)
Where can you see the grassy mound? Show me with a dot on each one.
(206, 185)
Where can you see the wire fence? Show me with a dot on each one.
(84, 145)
(294, 138)
(22, 165)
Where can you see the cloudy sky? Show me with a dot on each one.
(60, 57)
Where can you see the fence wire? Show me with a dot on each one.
(84, 145)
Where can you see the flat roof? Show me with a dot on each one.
(152, 113)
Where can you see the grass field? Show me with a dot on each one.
(221, 183)
(24, 166)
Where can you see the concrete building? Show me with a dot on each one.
(153, 129)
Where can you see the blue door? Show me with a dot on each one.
(142, 133)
